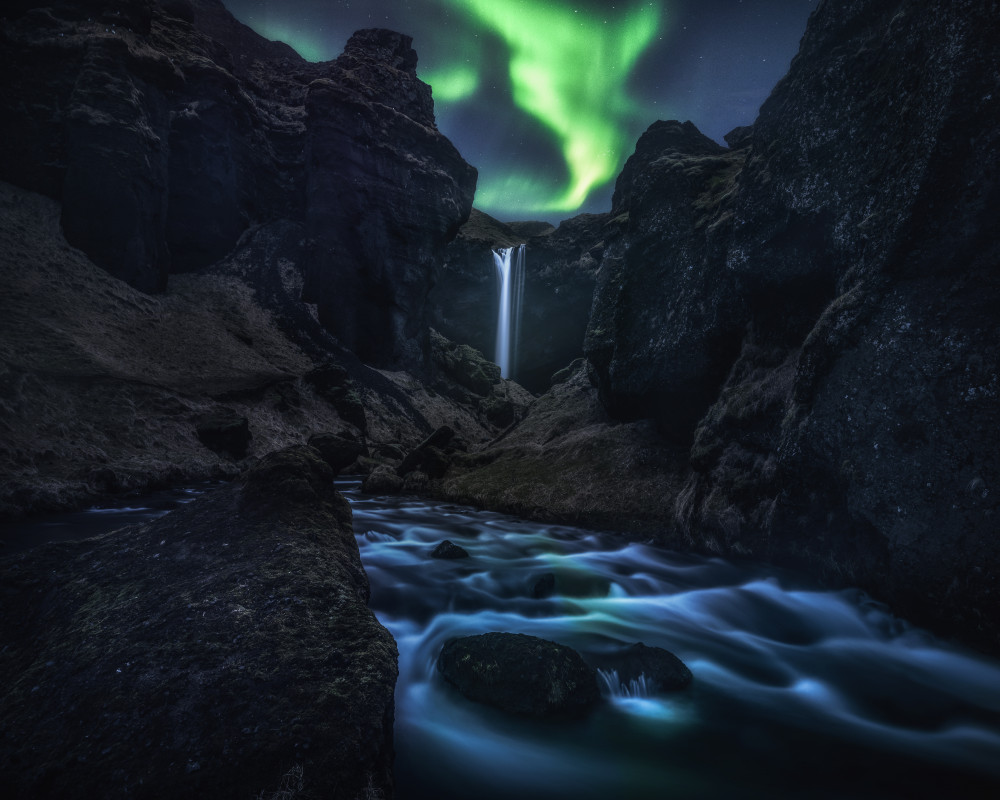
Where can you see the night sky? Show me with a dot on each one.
(548, 97)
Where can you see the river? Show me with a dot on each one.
(798, 691)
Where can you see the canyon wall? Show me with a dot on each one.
(807, 319)
(167, 130)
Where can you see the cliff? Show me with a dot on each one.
(180, 250)
(166, 130)
(807, 319)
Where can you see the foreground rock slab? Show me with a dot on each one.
(212, 653)
(519, 674)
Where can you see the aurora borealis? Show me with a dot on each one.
(568, 71)
(547, 97)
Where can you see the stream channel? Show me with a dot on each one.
(798, 691)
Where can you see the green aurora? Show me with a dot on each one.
(569, 70)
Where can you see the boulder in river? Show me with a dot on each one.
(382, 480)
(449, 550)
(519, 674)
(659, 669)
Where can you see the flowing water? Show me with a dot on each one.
(798, 691)
(16, 537)
(509, 263)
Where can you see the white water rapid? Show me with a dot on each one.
(509, 263)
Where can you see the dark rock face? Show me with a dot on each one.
(429, 456)
(667, 318)
(166, 131)
(226, 432)
(464, 364)
(210, 653)
(813, 312)
(337, 450)
(465, 375)
(385, 191)
(519, 674)
(560, 270)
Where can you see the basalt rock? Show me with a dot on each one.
(226, 432)
(447, 549)
(568, 460)
(213, 652)
(385, 192)
(169, 130)
(464, 365)
(382, 480)
(337, 450)
(560, 274)
(519, 674)
(667, 316)
(465, 375)
(429, 456)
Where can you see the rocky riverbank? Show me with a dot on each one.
(224, 650)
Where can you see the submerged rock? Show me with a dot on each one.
(519, 674)
(206, 654)
(544, 585)
(448, 549)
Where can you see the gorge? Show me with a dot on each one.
(223, 262)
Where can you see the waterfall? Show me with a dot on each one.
(613, 686)
(509, 263)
